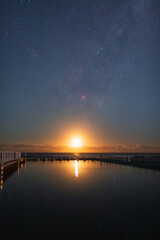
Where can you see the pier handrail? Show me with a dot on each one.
(7, 156)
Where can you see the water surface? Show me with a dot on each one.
(80, 200)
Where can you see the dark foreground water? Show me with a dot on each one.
(80, 200)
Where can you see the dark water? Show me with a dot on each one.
(80, 200)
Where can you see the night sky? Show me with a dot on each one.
(88, 67)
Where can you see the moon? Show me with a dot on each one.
(76, 142)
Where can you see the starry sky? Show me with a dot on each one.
(89, 67)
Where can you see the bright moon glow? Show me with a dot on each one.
(76, 142)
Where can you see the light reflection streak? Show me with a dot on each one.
(1, 180)
(76, 168)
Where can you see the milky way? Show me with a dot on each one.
(86, 63)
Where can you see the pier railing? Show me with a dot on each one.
(7, 156)
(123, 157)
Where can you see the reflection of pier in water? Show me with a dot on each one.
(9, 163)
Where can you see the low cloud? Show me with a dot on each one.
(85, 148)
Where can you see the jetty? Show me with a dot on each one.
(9, 162)
(142, 160)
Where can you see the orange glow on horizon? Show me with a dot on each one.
(76, 138)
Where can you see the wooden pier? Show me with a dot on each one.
(142, 160)
(9, 162)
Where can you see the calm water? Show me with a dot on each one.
(80, 200)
